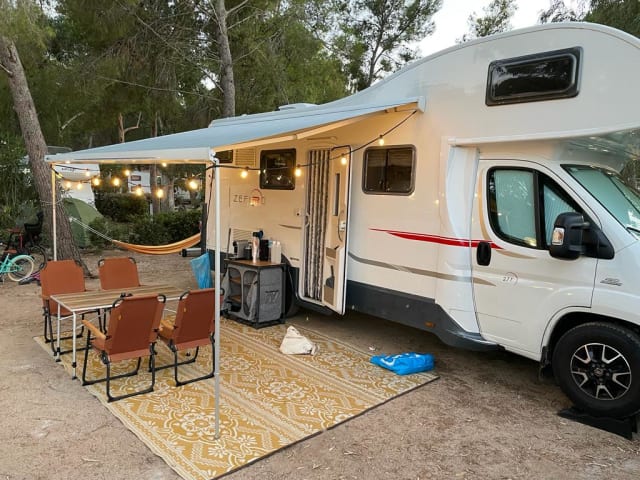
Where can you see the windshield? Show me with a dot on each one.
(620, 199)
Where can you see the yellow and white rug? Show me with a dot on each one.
(268, 400)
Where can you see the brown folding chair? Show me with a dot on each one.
(132, 333)
(60, 276)
(118, 272)
(193, 328)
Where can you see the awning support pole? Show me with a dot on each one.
(53, 208)
(217, 270)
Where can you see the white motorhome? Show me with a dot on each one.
(475, 194)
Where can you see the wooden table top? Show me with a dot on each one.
(94, 299)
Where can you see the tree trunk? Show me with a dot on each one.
(227, 82)
(37, 149)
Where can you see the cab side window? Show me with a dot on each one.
(523, 205)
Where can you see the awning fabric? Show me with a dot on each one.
(194, 146)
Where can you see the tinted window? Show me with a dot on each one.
(524, 204)
(277, 169)
(388, 170)
(532, 78)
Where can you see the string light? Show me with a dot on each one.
(87, 173)
(381, 141)
(298, 171)
(115, 182)
(343, 160)
(126, 172)
(96, 181)
(160, 193)
(79, 186)
(67, 184)
(164, 164)
(193, 184)
(244, 173)
(138, 191)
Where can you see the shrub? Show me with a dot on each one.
(121, 207)
(110, 229)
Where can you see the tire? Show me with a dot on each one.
(39, 257)
(597, 366)
(20, 267)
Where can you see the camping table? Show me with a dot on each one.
(83, 302)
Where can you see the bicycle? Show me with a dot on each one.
(26, 241)
(16, 267)
(23, 257)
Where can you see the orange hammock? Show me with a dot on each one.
(160, 249)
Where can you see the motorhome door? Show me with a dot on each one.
(518, 287)
(324, 266)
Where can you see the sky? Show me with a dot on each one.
(451, 20)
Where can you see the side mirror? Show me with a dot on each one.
(566, 241)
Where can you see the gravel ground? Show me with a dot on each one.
(488, 416)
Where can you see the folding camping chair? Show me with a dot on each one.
(132, 333)
(193, 328)
(60, 276)
(118, 272)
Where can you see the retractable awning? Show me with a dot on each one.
(244, 131)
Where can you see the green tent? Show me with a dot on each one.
(86, 214)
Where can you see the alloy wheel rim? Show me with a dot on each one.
(601, 371)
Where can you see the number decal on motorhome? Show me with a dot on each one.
(510, 278)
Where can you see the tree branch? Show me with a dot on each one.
(7, 71)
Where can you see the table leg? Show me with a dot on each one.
(73, 362)
(58, 335)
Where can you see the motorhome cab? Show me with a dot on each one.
(480, 194)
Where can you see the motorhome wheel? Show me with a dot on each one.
(598, 367)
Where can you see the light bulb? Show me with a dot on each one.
(343, 160)
(87, 173)
(126, 172)
(160, 193)
(138, 191)
(67, 184)
(96, 181)
(193, 184)
(115, 182)
(164, 164)
(298, 171)
(244, 173)
(79, 186)
(381, 140)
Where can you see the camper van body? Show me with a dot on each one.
(492, 216)
(412, 255)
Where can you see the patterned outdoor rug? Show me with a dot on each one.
(268, 400)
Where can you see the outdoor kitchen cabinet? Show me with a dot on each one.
(255, 291)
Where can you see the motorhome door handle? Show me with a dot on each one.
(483, 253)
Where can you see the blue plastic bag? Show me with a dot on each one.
(201, 267)
(405, 363)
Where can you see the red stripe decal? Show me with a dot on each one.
(423, 237)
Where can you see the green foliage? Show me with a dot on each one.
(179, 225)
(17, 194)
(160, 229)
(109, 228)
(621, 14)
(164, 228)
(496, 19)
(121, 207)
(376, 34)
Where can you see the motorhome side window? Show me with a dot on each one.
(277, 169)
(389, 170)
(524, 204)
(544, 76)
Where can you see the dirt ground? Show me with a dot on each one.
(488, 416)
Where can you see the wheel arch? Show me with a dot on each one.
(573, 319)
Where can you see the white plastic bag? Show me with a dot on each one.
(294, 343)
